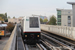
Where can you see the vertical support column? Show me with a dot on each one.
(73, 9)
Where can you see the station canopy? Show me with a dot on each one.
(3, 25)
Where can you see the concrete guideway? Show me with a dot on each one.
(15, 41)
(59, 42)
(12, 43)
(63, 31)
(12, 40)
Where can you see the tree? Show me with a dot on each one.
(45, 20)
(6, 20)
(14, 17)
(8, 17)
(2, 22)
(52, 20)
(41, 21)
(9, 22)
(1, 19)
(4, 16)
(10, 27)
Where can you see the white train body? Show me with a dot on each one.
(26, 25)
(31, 29)
(64, 31)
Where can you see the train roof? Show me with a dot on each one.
(29, 16)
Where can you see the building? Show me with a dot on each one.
(43, 17)
(15, 20)
(64, 17)
(73, 10)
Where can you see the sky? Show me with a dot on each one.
(19, 8)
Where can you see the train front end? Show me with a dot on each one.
(32, 30)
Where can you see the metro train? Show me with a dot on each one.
(63, 31)
(31, 30)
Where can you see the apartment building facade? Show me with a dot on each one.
(64, 17)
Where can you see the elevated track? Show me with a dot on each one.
(62, 42)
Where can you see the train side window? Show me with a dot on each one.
(34, 22)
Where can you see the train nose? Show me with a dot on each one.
(32, 36)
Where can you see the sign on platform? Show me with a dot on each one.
(1, 32)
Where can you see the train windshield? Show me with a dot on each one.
(34, 22)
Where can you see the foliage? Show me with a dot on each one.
(8, 17)
(4, 16)
(45, 20)
(2, 22)
(9, 22)
(52, 20)
(10, 27)
(6, 20)
(41, 21)
(14, 17)
(1, 19)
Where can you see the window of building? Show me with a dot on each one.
(59, 20)
(69, 21)
(59, 12)
(59, 23)
(69, 17)
(68, 12)
(59, 16)
(34, 22)
(69, 24)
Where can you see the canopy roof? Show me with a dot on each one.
(3, 25)
(71, 2)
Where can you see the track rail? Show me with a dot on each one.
(44, 45)
(68, 42)
(39, 46)
(26, 47)
(51, 47)
(36, 47)
(59, 42)
(71, 42)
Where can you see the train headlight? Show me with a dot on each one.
(37, 35)
(25, 35)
